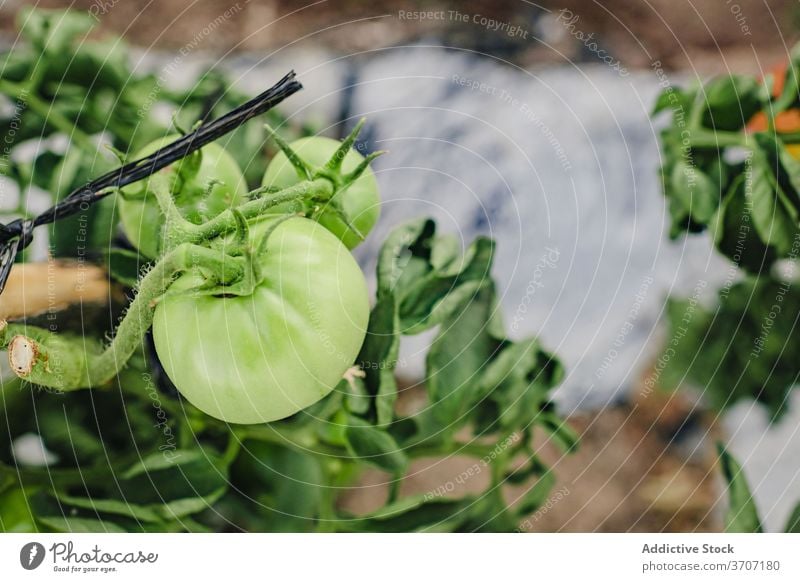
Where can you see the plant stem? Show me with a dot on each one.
(718, 139)
(68, 363)
(698, 108)
(181, 230)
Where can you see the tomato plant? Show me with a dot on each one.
(59, 82)
(264, 356)
(729, 142)
(355, 207)
(730, 167)
(255, 310)
(205, 183)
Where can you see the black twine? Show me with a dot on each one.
(18, 234)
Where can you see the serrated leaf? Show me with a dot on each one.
(459, 356)
(422, 282)
(441, 292)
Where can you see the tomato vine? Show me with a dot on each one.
(125, 454)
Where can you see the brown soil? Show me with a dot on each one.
(698, 35)
(639, 468)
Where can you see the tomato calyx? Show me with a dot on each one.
(330, 171)
(232, 268)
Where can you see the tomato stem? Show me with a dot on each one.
(64, 363)
(180, 230)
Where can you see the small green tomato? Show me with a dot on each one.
(140, 214)
(360, 201)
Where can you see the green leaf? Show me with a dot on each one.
(400, 247)
(79, 525)
(793, 524)
(288, 483)
(663, 102)
(742, 516)
(674, 99)
(124, 265)
(65, 432)
(416, 513)
(560, 432)
(772, 215)
(422, 282)
(159, 489)
(537, 494)
(378, 358)
(733, 233)
(175, 483)
(112, 506)
(159, 462)
(737, 349)
(731, 102)
(443, 291)
(52, 30)
(15, 511)
(695, 191)
(459, 356)
(375, 446)
(792, 169)
(533, 466)
(518, 382)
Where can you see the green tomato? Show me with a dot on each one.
(141, 216)
(361, 201)
(262, 357)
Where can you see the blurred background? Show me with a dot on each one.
(531, 123)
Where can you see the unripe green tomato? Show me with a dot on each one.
(262, 357)
(361, 201)
(141, 216)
